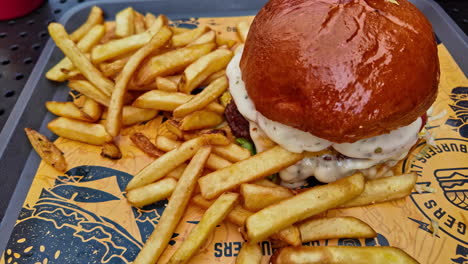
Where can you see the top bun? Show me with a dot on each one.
(342, 70)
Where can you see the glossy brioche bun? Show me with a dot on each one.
(341, 70)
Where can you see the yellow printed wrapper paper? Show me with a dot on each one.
(83, 216)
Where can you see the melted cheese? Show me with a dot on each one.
(364, 154)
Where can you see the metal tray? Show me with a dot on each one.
(18, 163)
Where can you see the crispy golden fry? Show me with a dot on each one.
(114, 119)
(151, 193)
(177, 172)
(111, 151)
(157, 242)
(214, 162)
(250, 253)
(95, 17)
(182, 39)
(124, 23)
(171, 62)
(341, 255)
(61, 71)
(67, 109)
(81, 62)
(306, 204)
(48, 152)
(335, 227)
(232, 152)
(223, 41)
(90, 91)
(144, 144)
(133, 115)
(225, 98)
(198, 71)
(237, 216)
(164, 131)
(384, 189)
(92, 109)
(166, 163)
(201, 100)
(140, 26)
(94, 134)
(168, 101)
(175, 78)
(118, 47)
(253, 168)
(165, 84)
(257, 197)
(150, 19)
(179, 30)
(200, 120)
(291, 235)
(213, 77)
(215, 136)
(211, 218)
(267, 183)
(110, 32)
(208, 37)
(111, 69)
(173, 126)
(243, 30)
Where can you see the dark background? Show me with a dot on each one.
(22, 40)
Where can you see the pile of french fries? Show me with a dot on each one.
(138, 69)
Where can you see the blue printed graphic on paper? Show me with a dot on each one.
(459, 105)
(454, 183)
(58, 227)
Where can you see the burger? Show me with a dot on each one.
(346, 82)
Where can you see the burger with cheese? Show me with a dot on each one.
(347, 82)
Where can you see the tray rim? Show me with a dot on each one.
(457, 48)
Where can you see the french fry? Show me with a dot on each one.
(200, 120)
(341, 255)
(124, 23)
(257, 197)
(291, 235)
(212, 217)
(225, 98)
(111, 151)
(144, 144)
(175, 78)
(61, 71)
(232, 152)
(166, 163)
(168, 101)
(207, 37)
(335, 227)
(164, 131)
(150, 19)
(213, 77)
(95, 17)
(250, 253)
(81, 62)
(139, 23)
(133, 115)
(110, 32)
(90, 91)
(91, 108)
(67, 109)
(171, 62)
(266, 183)
(201, 100)
(253, 168)
(237, 216)
(243, 30)
(318, 199)
(157, 242)
(179, 30)
(94, 134)
(182, 39)
(384, 189)
(206, 65)
(222, 40)
(165, 84)
(214, 162)
(177, 172)
(114, 119)
(173, 126)
(111, 69)
(47, 150)
(118, 47)
(151, 193)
